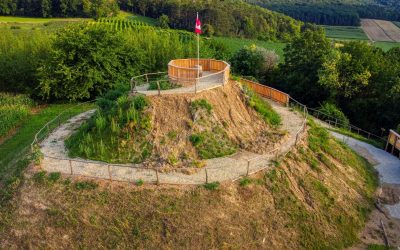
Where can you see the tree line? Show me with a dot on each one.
(361, 80)
(329, 12)
(59, 8)
(224, 18)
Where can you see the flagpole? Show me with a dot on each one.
(198, 55)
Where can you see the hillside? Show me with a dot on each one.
(329, 12)
(222, 18)
(318, 196)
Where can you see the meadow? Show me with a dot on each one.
(345, 32)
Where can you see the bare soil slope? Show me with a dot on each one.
(173, 122)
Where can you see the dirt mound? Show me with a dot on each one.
(173, 123)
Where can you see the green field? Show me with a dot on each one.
(386, 45)
(234, 44)
(13, 19)
(345, 33)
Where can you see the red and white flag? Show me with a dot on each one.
(197, 28)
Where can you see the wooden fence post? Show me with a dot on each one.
(158, 87)
(248, 167)
(205, 169)
(147, 79)
(109, 172)
(70, 166)
(158, 178)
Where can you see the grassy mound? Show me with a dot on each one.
(316, 198)
(118, 133)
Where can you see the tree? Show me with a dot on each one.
(208, 30)
(254, 61)
(163, 21)
(86, 61)
(299, 74)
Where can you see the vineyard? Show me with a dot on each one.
(120, 24)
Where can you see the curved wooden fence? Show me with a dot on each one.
(185, 71)
(268, 92)
(394, 142)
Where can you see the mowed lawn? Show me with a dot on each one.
(345, 32)
(16, 147)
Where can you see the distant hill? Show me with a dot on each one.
(227, 18)
(334, 12)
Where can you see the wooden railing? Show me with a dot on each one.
(268, 92)
(185, 72)
(393, 141)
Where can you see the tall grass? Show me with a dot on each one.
(13, 109)
(118, 133)
(269, 115)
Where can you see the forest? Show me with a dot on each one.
(59, 8)
(329, 12)
(361, 80)
(221, 18)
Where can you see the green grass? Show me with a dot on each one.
(386, 45)
(134, 17)
(397, 24)
(345, 33)
(377, 143)
(164, 85)
(14, 19)
(234, 44)
(269, 115)
(13, 158)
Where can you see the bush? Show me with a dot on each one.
(212, 185)
(93, 58)
(254, 61)
(13, 110)
(331, 112)
(200, 104)
(86, 185)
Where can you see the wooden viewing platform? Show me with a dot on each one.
(188, 72)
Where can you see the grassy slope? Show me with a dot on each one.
(148, 20)
(397, 24)
(318, 197)
(13, 150)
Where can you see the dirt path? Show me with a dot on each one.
(220, 169)
(388, 168)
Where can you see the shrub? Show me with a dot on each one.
(139, 183)
(200, 104)
(331, 112)
(254, 61)
(212, 185)
(40, 177)
(93, 58)
(54, 177)
(245, 182)
(86, 185)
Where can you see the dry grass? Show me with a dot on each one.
(311, 199)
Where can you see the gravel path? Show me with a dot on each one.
(220, 169)
(388, 165)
